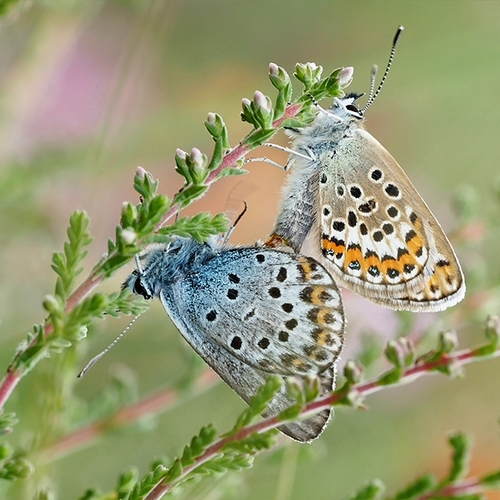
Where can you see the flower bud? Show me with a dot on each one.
(345, 76)
(129, 236)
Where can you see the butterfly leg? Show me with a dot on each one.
(265, 159)
(309, 157)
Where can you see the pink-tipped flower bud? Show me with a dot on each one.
(345, 76)
(181, 153)
(261, 101)
(140, 172)
(197, 157)
(274, 69)
(211, 118)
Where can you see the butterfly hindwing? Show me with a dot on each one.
(349, 204)
(250, 312)
(379, 234)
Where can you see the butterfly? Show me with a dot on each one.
(348, 203)
(250, 312)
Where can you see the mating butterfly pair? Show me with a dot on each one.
(254, 311)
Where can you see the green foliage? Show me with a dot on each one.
(67, 264)
(200, 227)
(492, 332)
(461, 445)
(6, 5)
(13, 466)
(491, 481)
(143, 487)
(427, 486)
(422, 485)
(258, 403)
(7, 422)
(371, 491)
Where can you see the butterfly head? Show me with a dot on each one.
(347, 106)
(164, 264)
(136, 283)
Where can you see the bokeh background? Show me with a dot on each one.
(91, 89)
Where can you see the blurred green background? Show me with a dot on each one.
(91, 89)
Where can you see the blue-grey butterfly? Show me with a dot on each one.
(250, 312)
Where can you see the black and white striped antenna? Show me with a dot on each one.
(373, 96)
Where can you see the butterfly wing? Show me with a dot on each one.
(251, 312)
(378, 234)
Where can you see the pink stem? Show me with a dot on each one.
(363, 388)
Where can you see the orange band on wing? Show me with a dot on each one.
(337, 247)
(414, 243)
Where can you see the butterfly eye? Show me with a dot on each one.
(353, 108)
(140, 290)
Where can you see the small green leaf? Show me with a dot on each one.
(308, 74)
(189, 194)
(91, 494)
(391, 377)
(247, 114)
(254, 443)
(491, 480)
(422, 485)
(200, 227)
(371, 491)
(258, 137)
(353, 372)
(295, 389)
(394, 353)
(126, 481)
(129, 215)
(217, 155)
(280, 106)
(15, 468)
(291, 413)
(258, 403)
(145, 184)
(448, 341)
(297, 122)
(312, 387)
(217, 129)
(461, 444)
(231, 171)
(175, 472)
(280, 79)
(7, 422)
(182, 166)
(66, 264)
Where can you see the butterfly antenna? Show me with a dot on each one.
(233, 227)
(373, 96)
(95, 359)
(373, 76)
(316, 104)
(242, 213)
